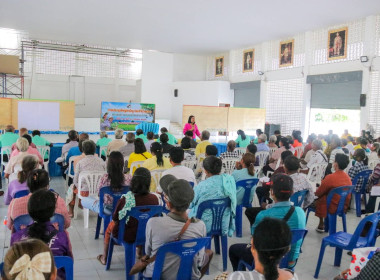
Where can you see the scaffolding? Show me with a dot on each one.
(13, 85)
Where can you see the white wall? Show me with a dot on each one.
(93, 92)
(189, 67)
(156, 79)
(208, 93)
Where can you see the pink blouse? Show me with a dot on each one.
(195, 131)
(31, 151)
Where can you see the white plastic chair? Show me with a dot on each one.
(45, 151)
(372, 164)
(6, 150)
(272, 150)
(101, 150)
(348, 166)
(316, 172)
(190, 164)
(156, 176)
(263, 157)
(228, 165)
(16, 169)
(240, 151)
(299, 151)
(135, 165)
(91, 180)
(166, 155)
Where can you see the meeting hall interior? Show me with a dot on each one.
(179, 140)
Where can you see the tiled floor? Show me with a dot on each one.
(86, 248)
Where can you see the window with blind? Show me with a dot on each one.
(284, 104)
(247, 95)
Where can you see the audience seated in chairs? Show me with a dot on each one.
(22, 147)
(251, 148)
(140, 154)
(41, 207)
(156, 162)
(282, 208)
(140, 134)
(115, 178)
(160, 230)
(31, 150)
(72, 142)
(172, 140)
(103, 141)
(247, 172)
(276, 155)
(215, 186)
(21, 132)
(129, 148)
(262, 192)
(272, 142)
(75, 151)
(150, 138)
(138, 195)
(313, 156)
(20, 257)
(189, 134)
(186, 146)
(89, 163)
(337, 179)
(261, 143)
(117, 143)
(9, 137)
(309, 145)
(164, 138)
(336, 148)
(361, 164)
(231, 153)
(28, 164)
(242, 141)
(373, 181)
(179, 171)
(300, 181)
(37, 180)
(201, 147)
(270, 242)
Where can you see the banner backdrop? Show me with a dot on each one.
(125, 115)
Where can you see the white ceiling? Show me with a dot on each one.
(193, 26)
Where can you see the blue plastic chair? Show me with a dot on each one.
(298, 198)
(248, 185)
(191, 184)
(60, 220)
(66, 263)
(186, 250)
(217, 207)
(26, 220)
(142, 214)
(21, 193)
(104, 216)
(330, 221)
(358, 195)
(297, 234)
(346, 241)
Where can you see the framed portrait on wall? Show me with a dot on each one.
(286, 53)
(219, 65)
(248, 58)
(337, 43)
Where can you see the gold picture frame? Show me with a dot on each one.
(219, 66)
(337, 43)
(248, 60)
(286, 53)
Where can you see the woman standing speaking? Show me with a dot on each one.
(191, 126)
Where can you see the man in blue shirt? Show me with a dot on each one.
(282, 208)
(261, 145)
